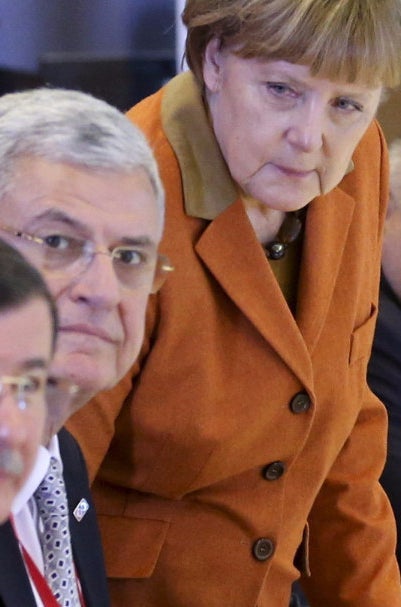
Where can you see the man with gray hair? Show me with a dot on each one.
(81, 198)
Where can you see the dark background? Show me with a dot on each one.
(119, 50)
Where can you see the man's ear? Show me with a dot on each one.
(212, 62)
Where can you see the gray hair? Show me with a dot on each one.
(72, 127)
(395, 173)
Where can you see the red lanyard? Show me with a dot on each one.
(41, 585)
(46, 595)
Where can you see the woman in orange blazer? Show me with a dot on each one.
(244, 448)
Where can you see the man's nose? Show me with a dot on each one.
(97, 283)
(12, 427)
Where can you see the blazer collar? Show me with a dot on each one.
(188, 130)
(233, 255)
(326, 231)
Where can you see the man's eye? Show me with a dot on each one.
(130, 257)
(30, 385)
(58, 241)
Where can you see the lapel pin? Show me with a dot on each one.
(81, 509)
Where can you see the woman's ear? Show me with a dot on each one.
(212, 63)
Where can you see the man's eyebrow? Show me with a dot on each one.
(57, 215)
(34, 363)
(139, 241)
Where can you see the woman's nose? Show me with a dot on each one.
(307, 130)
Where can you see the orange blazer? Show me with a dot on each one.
(243, 433)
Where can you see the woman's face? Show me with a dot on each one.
(286, 135)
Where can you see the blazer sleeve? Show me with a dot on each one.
(352, 531)
(93, 426)
(351, 522)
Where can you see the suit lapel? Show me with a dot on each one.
(85, 537)
(326, 231)
(232, 253)
(15, 588)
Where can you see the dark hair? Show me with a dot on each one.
(20, 282)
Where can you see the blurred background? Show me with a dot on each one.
(119, 50)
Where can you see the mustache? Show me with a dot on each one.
(11, 462)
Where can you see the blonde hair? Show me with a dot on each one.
(355, 41)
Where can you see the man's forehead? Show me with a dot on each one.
(111, 205)
(106, 189)
(73, 219)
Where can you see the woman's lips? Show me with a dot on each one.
(294, 172)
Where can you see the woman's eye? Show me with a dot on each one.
(346, 104)
(280, 89)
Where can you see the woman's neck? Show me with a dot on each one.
(266, 222)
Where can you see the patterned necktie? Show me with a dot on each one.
(51, 499)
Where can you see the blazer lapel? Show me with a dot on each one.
(326, 231)
(233, 255)
(86, 543)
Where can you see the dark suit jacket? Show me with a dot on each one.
(384, 376)
(15, 589)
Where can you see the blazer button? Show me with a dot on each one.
(273, 471)
(300, 403)
(263, 549)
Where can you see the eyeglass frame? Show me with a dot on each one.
(18, 384)
(162, 268)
